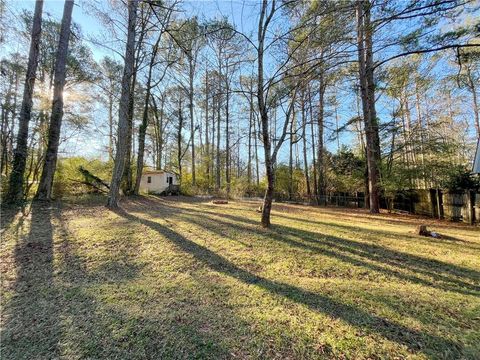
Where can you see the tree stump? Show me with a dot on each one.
(219, 202)
(422, 230)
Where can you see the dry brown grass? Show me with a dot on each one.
(184, 278)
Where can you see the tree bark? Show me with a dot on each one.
(44, 191)
(179, 139)
(320, 147)
(158, 129)
(16, 188)
(218, 169)
(304, 147)
(290, 161)
(270, 157)
(8, 108)
(207, 140)
(267, 201)
(255, 144)
(127, 171)
(250, 124)
(190, 108)
(212, 150)
(314, 161)
(421, 134)
(473, 89)
(227, 134)
(367, 86)
(110, 126)
(127, 182)
(124, 107)
(143, 127)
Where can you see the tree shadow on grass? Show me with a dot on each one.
(9, 214)
(446, 276)
(427, 313)
(404, 266)
(31, 316)
(111, 311)
(66, 308)
(358, 229)
(414, 340)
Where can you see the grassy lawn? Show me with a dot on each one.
(178, 278)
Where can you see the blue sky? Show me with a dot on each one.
(244, 14)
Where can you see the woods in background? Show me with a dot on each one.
(306, 99)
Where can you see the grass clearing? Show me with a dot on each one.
(183, 278)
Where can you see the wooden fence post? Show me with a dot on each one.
(471, 206)
(439, 203)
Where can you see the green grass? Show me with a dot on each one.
(180, 278)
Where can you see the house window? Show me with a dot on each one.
(149, 180)
(169, 179)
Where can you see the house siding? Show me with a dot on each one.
(158, 183)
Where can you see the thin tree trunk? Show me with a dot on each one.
(179, 139)
(212, 150)
(143, 127)
(250, 123)
(127, 172)
(262, 108)
(158, 129)
(6, 109)
(190, 108)
(110, 126)
(16, 189)
(255, 140)
(320, 152)
(290, 161)
(304, 147)
(406, 156)
(237, 142)
(44, 191)
(162, 139)
(124, 107)
(207, 140)
(420, 131)
(314, 161)
(218, 174)
(475, 102)
(227, 135)
(364, 39)
(336, 124)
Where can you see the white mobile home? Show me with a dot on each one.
(158, 181)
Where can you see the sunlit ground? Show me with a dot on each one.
(181, 278)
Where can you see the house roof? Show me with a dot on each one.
(153, 172)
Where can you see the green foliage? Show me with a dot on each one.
(3, 184)
(346, 171)
(286, 185)
(460, 178)
(240, 188)
(398, 177)
(80, 62)
(186, 187)
(70, 181)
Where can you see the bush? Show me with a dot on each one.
(460, 178)
(70, 181)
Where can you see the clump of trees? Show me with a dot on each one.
(309, 99)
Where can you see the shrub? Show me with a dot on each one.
(70, 181)
(460, 178)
